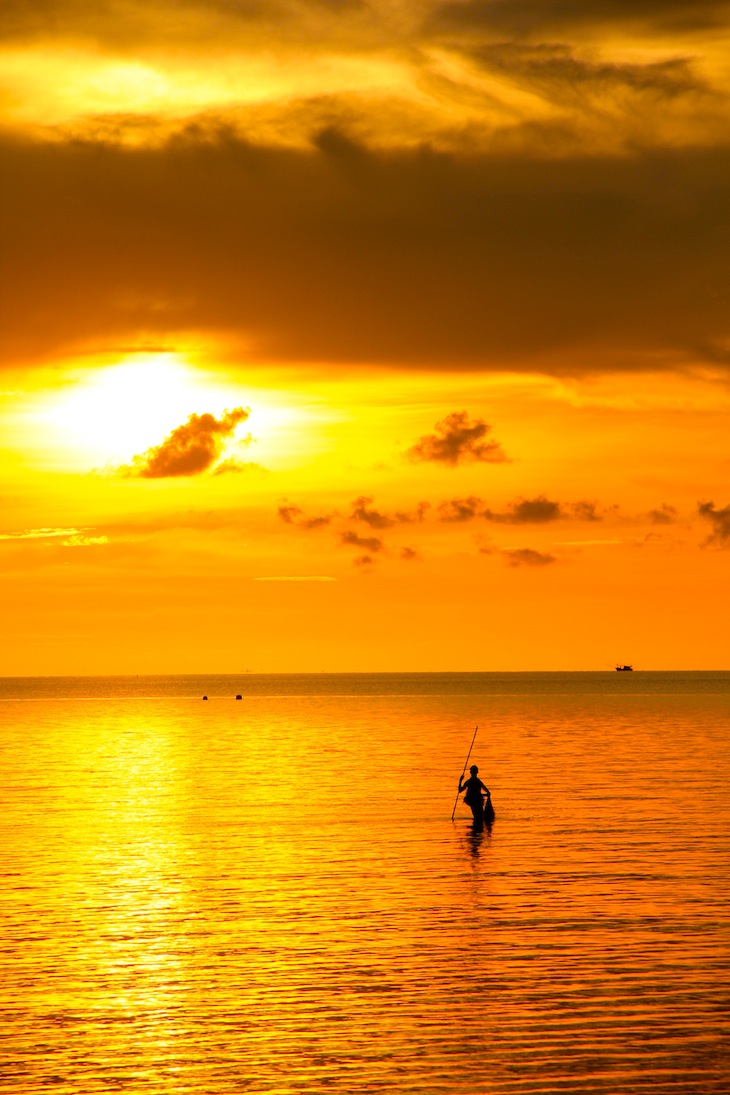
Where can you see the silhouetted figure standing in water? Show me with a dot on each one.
(473, 797)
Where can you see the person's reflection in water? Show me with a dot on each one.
(473, 797)
(474, 838)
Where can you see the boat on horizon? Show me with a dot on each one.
(624, 668)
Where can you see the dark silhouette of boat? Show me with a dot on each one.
(624, 668)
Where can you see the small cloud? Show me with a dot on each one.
(371, 517)
(528, 511)
(296, 578)
(665, 515)
(289, 512)
(190, 449)
(234, 465)
(316, 522)
(585, 511)
(458, 440)
(370, 543)
(41, 533)
(404, 518)
(362, 510)
(294, 515)
(485, 546)
(526, 557)
(84, 541)
(720, 522)
(409, 554)
(461, 509)
(364, 562)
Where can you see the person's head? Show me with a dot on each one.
(473, 769)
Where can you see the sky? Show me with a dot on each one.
(368, 335)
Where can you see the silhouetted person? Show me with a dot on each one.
(473, 797)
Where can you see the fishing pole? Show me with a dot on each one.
(462, 774)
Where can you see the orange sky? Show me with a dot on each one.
(364, 335)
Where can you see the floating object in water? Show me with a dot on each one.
(624, 668)
(205, 697)
(239, 697)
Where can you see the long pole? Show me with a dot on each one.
(464, 770)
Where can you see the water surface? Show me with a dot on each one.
(268, 895)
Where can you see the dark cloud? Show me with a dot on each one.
(408, 517)
(146, 24)
(364, 562)
(537, 17)
(409, 554)
(362, 511)
(370, 543)
(528, 511)
(289, 513)
(720, 522)
(294, 515)
(457, 440)
(481, 260)
(526, 557)
(316, 522)
(461, 509)
(190, 449)
(562, 75)
(664, 515)
(585, 511)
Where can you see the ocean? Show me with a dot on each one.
(268, 895)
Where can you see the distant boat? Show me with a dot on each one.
(624, 668)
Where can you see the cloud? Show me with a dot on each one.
(665, 515)
(537, 510)
(720, 522)
(234, 466)
(406, 518)
(289, 512)
(585, 511)
(535, 17)
(370, 543)
(461, 509)
(371, 517)
(364, 562)
(409, 554)
(294, 515)
(526, 557)
(560, 72)
(483, 258)
(457, 440)
(362, 511)
(80, 540)
(42, 533)
(190, 449)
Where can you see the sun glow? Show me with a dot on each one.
(103, 418)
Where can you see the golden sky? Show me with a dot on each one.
(364, 335)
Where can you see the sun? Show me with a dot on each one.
(103, 416)
(113, 412)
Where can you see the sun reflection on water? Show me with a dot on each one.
(271, 895)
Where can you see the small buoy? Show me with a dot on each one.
(205, 697)
(239, 697)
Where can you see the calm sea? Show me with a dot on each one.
(269, 894)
